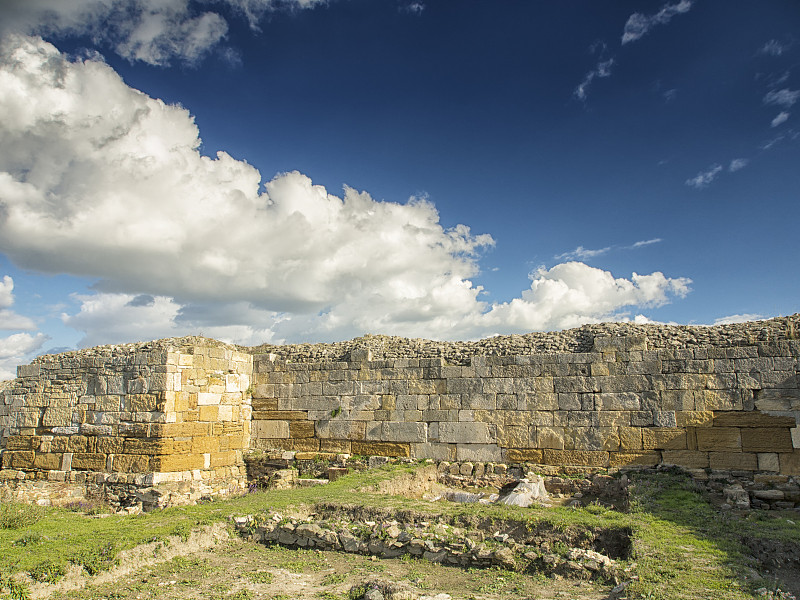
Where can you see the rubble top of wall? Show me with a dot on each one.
(384, 347)
(126, 350)
(579, 339)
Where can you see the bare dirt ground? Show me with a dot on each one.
(235, 569)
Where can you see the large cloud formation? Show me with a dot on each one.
(151, 31)
(17, 345)
(100, 180)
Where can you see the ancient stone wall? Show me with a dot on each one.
(180, 412)
(141, 415)
(718, 407)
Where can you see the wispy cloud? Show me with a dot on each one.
(638, 24)
(773, 48)
(737, 164)
(581, 253)
(645, 243)
(782, 117)
(603, 69)
(785, 97)
(704, 178)
(414, 8)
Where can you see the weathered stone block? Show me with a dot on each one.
(301, 429)
(179, 462)
(630, 438)
(614, 418)
(575, 458)
(524, 455)
(57, 417)
(209, 413)
(751, 419)
(761, 439)
(264, 404)
(548, 437)
(478, 452)
(433, 451)
(789, 463)
(270, 429)
(363, 448)
(141, 402)
(664, 438)
(25, 417)
(623, 459)
(513, 436)
(718, 438)
(147, 446)
(47, 461)
(689, 459)
(465, 433)
(87, 461)
(777, 399)
(618, 401)
(569, 401)
(127, 463)
(737, 461)
(719, 399)
(336, 446)
(694, 418)
(19, 442)
(341, 430)
(396, 431)
(110, 445)
(769, 461)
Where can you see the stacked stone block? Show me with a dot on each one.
(733, 408)
(169, 412)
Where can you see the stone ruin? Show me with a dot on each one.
(171, 421)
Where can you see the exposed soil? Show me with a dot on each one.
(779, 559)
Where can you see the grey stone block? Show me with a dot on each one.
(478, 453)
(394, 431)
(466, 433)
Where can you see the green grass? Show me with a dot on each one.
(683, 547)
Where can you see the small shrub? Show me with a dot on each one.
(28, 539)
(13, 589)
(333, 578)
(88, 506)
(98, 560)
(260, 577)
(48, 572)
(15, 515)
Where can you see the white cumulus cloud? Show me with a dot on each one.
(14, 349)
(742, 318)
(573, 293)
(8, 318)
(98, 179)
(639, 24)
(152, 31)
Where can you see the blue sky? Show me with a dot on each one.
(430, 169)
